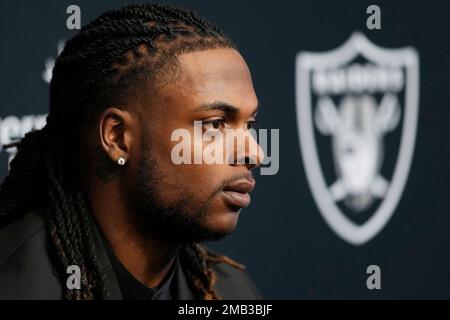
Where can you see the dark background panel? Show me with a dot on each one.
(282, 239)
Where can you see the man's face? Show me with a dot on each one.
(197, 202)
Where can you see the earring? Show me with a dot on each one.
(121, 161)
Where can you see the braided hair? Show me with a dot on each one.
(99, 67)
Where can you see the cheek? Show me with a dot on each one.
(197, 178)
(178, 181)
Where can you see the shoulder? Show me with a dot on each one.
(17, 234)
(25, 265)
(234, 283)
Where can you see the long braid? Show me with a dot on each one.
(65, 216)
(20, 191)
(198, 262)
(99, 67)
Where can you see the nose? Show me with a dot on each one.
(247, 151)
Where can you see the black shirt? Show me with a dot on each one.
(133, 289)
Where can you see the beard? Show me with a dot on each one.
(181, 221)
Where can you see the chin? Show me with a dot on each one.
(223, 223)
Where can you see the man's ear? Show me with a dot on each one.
(115, 134)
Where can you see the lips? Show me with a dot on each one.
(236, 193)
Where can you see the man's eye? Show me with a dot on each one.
(252, 124)
(214, 124)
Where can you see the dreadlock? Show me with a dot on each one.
(99, 67)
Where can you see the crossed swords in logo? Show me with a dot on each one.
(357, 129)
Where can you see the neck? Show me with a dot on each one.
(147, 258)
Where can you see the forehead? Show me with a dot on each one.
(216, 75)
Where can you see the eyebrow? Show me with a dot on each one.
(225, 107)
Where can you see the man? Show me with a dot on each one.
(95, 193)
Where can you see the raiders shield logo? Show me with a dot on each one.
(357, 110)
